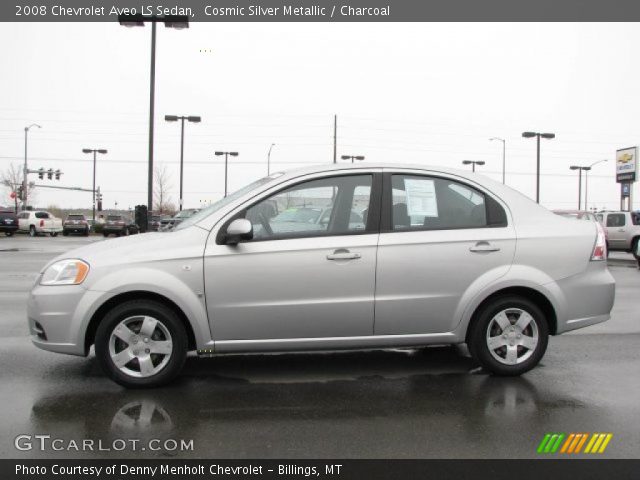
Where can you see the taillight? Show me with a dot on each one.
(42, 223)
(600, 247)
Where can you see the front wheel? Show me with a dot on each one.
(509, 336)
(141, 344)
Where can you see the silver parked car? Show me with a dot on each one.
(440, 257)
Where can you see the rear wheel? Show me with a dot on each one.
(634, 249)
(509, 336)
(53, 234)
(8, 233)
(32, 231)
(65, 233)
(141, 344)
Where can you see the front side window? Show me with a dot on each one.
(429, 203)
(328, 206)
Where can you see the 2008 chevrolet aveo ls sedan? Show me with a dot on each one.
(330, 258)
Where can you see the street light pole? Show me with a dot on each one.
(170, 21)
(94, 151)
(473, 164)
(580, 170)
(226, 168)
(175, 118)
(538, 136)
(586, 183)
(269, 159)
(25, 170)
(504, 152)
(353, 158)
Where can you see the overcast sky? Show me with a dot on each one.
(423, 93)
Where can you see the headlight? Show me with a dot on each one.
(65, 272)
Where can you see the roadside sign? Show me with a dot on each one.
(626, 164)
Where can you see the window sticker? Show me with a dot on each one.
(421, 197)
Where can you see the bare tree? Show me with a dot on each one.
(162, 184)
(11, 179)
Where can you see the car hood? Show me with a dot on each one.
(142, 248)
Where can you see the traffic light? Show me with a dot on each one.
(21, 192)
(58, 173)
(50, 173)
(41, 173)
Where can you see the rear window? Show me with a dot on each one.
(76, 217)
(42, 215)
(114, 217)
(7, 214)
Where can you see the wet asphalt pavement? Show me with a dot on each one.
(431, 403)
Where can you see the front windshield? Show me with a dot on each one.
(214, 207)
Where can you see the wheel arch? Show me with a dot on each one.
(99, 314)
(529, 293)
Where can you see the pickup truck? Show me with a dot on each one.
(8, 222)
(623, 230)
(39, 221)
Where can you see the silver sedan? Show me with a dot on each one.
(405, 256)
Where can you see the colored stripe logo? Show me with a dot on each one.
(573, 443)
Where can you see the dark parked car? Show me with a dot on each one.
(75, 223)
(8, 222)
(119, 225)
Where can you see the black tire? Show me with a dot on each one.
(477, 341)
(53, 234)
(86, 232)
(164, 315)
(65, 233)
(32, 231)
(105, 234)
(634, 248)
(8, 234)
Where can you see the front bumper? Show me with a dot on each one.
(58, 317)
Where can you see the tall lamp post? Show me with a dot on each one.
(175, 118)
(101, 151)
(548, 136)
(25, 170)
(170, 21)
(580, 170)
(269, 159)
(504, 155)
(226, 168)
(586, 183)
(473, 163)
(352, 157)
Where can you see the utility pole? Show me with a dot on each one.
(95, 151)
(175, 118)
(537, 136)
(335, 139)
(25, 170)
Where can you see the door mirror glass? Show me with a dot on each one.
(239, 229)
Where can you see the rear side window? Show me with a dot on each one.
(615, 220)
(429, 203)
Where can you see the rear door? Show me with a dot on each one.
(441, 241)
(617, 229)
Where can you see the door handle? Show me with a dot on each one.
(482, 247)
(343, 254)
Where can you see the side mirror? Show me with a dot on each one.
(239, 229)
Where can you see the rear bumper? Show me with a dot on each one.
(585, 299)
(8, 228)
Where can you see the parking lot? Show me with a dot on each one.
(432, 403)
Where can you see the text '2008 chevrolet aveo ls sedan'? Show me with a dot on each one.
(330, 258)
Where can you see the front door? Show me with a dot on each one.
(309, 271)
